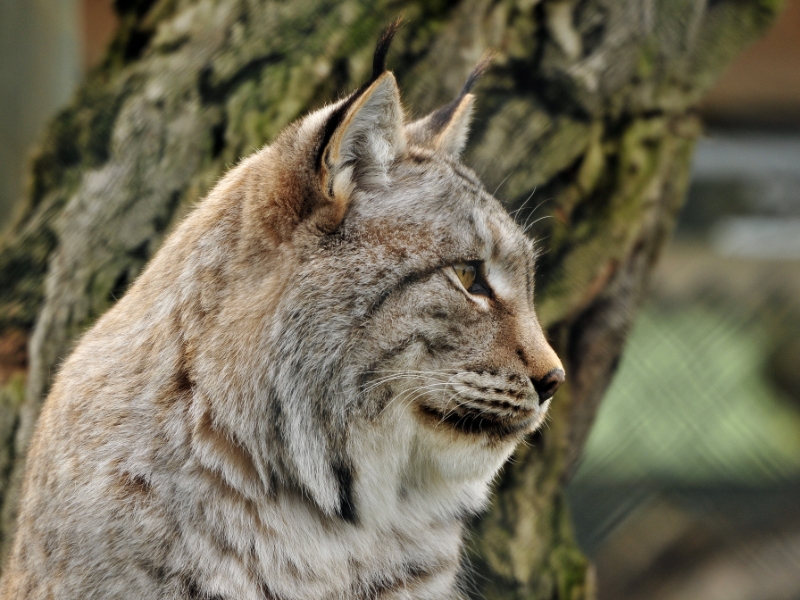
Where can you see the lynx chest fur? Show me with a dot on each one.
(307, 390)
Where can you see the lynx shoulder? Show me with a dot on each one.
(308, 389)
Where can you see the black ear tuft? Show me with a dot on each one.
(477, 72)
(441, 117)
(378, 69)
(382, 49)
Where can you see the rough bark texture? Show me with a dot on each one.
(589, 103)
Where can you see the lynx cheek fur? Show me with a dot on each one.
(309, 387)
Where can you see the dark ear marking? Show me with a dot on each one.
(332, 123)
(378, 68)
(441, 117)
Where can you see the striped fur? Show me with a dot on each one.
(298, 399)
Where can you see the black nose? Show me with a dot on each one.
(547, 385)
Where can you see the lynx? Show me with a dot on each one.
(308, 389)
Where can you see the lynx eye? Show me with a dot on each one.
(465, 273)
(469, 277)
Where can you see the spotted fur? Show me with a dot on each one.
(298, 399)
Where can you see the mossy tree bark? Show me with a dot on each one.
(589, 104)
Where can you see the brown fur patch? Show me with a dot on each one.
(130, 485)
(224, 446)
(13, 354)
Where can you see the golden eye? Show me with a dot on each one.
(466, 274)
(471, 279)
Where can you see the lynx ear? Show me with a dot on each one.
(365, 141)
(446, 129)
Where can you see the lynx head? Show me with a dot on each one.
(381, 308)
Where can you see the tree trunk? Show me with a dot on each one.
(585, 126)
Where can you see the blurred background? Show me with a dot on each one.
(690, 484)
(689, 488)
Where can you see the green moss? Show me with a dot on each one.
(526, 550)
(78, 137)
(596, 231)
(647, 58)
(12, 394)
(592, 164)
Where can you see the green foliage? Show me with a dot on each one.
(691, 404)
